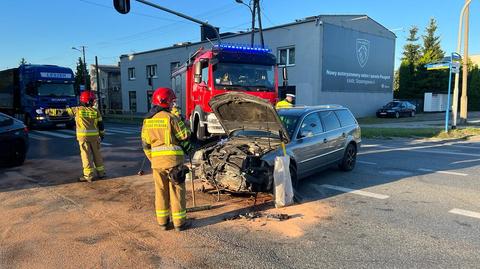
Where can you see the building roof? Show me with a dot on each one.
(334, 19)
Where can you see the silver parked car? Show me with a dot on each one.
(315, 138)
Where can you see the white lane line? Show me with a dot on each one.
(467, 213)
(442, 172)
(115, 131)
(461, 146)
(53, 134)
(364, 162)
(105, 144)
(71, 132)
(369, 146)
(466, 161)
(359, 192)
(419, 149)
(37, 137)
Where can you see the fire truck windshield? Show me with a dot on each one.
(56, 89)
(247, 77)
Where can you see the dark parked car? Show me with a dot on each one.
(397, 109)
(13, 141)
(315, 137)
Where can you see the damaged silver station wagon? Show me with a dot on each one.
(315, 138)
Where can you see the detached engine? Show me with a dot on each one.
(236, 166)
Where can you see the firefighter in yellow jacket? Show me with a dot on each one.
(90, 131)
(165, 140)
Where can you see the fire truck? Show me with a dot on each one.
(222, 68)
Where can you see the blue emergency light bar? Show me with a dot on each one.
(243, 48)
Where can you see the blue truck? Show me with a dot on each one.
(26, 91)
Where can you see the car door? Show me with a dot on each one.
(333, 138)
(309, 143)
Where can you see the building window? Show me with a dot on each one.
(131, 73)
(132, 100)
(152, 71)
(173, 66)
(286, 57)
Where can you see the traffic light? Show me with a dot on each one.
(122, 6)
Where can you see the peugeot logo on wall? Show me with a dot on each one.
(363, 50)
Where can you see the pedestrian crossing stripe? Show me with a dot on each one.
(119, 131)
(71, 132)
(48, 133)
(37, 137)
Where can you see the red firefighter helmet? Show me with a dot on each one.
(163, 97)
(87, 97)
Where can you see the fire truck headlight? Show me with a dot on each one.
(39, 111)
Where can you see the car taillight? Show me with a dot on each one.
(25, 129)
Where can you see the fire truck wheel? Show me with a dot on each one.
(199, 131)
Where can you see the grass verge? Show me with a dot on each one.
(387, 133)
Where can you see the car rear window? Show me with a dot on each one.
(346, 118)
(330, 120)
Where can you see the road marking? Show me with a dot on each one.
(118, 131)
(53, 134)
(369, 146)
(71, 132)
(462, 146)
(442, 172)
(467, 213)
(364, 162)
(466, 161)
(359, 192)
(37, 137)
(133, 129)
(418, 149)
(105, 144)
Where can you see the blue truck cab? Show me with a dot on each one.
(37, 87)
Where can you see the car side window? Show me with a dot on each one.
(310, 126)
(346, 118)
(330, 120)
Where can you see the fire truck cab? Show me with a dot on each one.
(222, 68)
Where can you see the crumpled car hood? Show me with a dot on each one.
(237, 111)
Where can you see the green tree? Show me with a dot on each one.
(431, 50)
(412, 50)
(22, 61)
(79, 76)
(474, 89)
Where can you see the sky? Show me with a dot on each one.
(44, 31)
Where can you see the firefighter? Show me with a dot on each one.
(287, 102)
(90, 131)
(165, 142)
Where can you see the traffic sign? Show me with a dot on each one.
(437, 66)
(455, 67)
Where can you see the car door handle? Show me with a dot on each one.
(325, 140)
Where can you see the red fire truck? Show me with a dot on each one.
(223, 68)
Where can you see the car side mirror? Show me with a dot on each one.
(198, 72)
(285, 76)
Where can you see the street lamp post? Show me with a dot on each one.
(457, 76)
(252, 11)
(84, 69)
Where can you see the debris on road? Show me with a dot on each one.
(256, 215)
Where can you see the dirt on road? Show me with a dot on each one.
(111, 223)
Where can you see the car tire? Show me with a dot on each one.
(19, 153)
(293, 175)
(412, 114)
(349, 158)
(397, 115)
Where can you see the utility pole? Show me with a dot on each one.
(464, 98)
(255, 12)
(99, 96)
(457, 76)
(84, 69)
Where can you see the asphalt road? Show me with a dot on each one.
(407, 204)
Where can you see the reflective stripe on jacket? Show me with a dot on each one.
(89, 124)
(283, 104)
(161, 137)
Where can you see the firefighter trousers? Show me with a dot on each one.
(169, 196)
(92, 160)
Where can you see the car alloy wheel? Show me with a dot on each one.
(349, 158)
(397, 115)
(412, 114)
